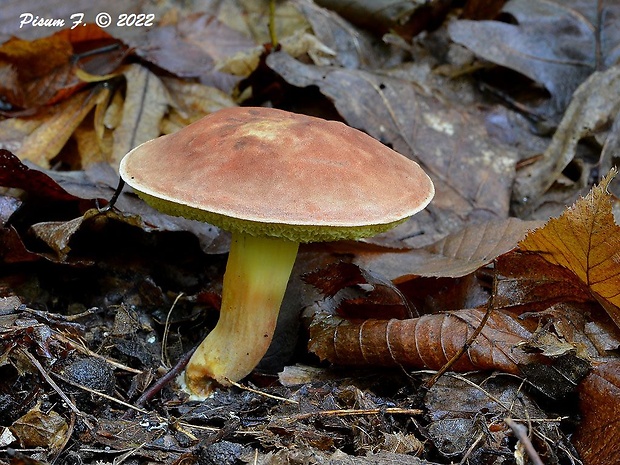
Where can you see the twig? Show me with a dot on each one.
(429, 384)
(55, 386)
(486, 393)
(164, 380)
(99, 393)
(521, 433)
(164, 340)
(264, 394)
(354, 411)
(87, 351)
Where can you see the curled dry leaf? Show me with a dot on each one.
(426, 342)
(585, 240)
(39, 429)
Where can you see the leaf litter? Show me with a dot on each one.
(98, 305)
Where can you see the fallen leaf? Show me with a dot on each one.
(146, 103)
(527, 282)
(586, 240)
(457, 254)
(406, 19)
(40, 429)
(44, 71)
(590, 113)
(454, 404)
(558, 44)
(354, 48)
(13, 173)
(57, 126)
(191, 101)
(598, 434)
(359, 292)
(425, 342)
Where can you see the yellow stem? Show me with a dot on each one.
(256, 276)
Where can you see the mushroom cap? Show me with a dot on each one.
(264, 171)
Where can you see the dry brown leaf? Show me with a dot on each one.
(146, 103)
(551, 42)
(457, 254)
(353, 47)
(59, 123)
(526, 282)
(191, 101)
(425, 342)
(586, 240)
(39, 429)
(45, 71)
(589, 113)
(598, 434)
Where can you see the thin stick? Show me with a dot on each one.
(429, 384)
(164, 341)
(164, 380)
(99, 393)
(55, 386)
(521, 433)
(87, 351)
(264, 394)
(353, 411)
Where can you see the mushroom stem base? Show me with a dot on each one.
(256, 276)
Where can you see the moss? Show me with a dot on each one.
(296, 233)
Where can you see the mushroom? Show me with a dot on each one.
(274, 179)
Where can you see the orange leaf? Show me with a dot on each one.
(586, 240)
(425, 342)
(43, 71)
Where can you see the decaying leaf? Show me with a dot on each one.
(599, 432)
(585, 239)
(44, 71)
(553, 43)
(530, 283)
(40, 429)
(590, 112)
(145, 105)
(455, 404)
(383, 16)
(57, 125)
(352, 47)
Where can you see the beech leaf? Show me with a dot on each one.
(597, 436)
(586, 240)
(457, 254)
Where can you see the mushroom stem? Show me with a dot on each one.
(256, 276)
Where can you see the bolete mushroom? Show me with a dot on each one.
(274, 179)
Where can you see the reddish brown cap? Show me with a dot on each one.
(267, 171)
